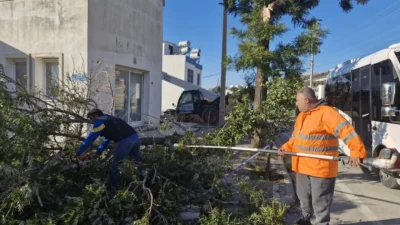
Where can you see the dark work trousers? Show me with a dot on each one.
(315, 195)
(129, 147)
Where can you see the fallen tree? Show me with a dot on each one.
(41, 184)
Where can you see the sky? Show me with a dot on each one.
(362, 31)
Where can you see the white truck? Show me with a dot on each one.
(366, 91)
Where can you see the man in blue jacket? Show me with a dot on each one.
(112, 129)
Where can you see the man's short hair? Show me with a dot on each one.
(308, 93)
(94, 112)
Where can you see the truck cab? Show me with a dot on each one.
(194, 102)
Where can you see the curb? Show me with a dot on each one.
(284, 192)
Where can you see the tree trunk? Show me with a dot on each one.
(261, 78)
(259, 96)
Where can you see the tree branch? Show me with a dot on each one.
(67, 135)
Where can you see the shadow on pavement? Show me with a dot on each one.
(341, 205)
(385, 222)
(359, 178)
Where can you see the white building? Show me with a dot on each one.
(319, 81)
(228, 89)
(177, 63)
(43, 41)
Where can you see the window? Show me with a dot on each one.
(187, 98)
(171, 49)
(355, 75)
(338, 92)
(398, 56)
(128, 95)
(196, 97)
(383, 72)
(190, 76)
(21, 75)
(343, 96)
(364, 91)
(198, 79)
(329, 91)
(52, 79)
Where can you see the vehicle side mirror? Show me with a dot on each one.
(388, 93)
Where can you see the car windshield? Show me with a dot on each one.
(398, 56)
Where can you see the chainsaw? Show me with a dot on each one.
(77, 164)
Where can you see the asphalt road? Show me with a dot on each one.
(361, 199)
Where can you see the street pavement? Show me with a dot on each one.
(361, 199)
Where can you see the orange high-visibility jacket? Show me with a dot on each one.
(317, 132)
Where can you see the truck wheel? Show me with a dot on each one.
(388, 181)
(210, 115)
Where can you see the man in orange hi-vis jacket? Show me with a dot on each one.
(316, 131)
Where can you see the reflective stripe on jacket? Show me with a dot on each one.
(317, 132)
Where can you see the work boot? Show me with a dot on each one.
(303, 221)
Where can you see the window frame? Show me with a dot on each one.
(22, 60)
(170, 49)
(390, 75)
(132, 71)
(51, 60)
(198, 79)
(190, 75)
(188, 93)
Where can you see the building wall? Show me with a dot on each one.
(33, 30)
(177, 66)
(197, 69)
(166, 49)
(128, 34)
(170, 95)
(92, 37)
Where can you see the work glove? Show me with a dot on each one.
(83, 157)
(88, 156)
(81, 160)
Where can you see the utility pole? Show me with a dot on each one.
(312, 70)
(223, 66)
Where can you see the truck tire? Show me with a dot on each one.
(210, 115)
(388, 181)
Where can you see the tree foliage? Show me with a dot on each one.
(41, 184)
(263, 23)
(273, 116)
